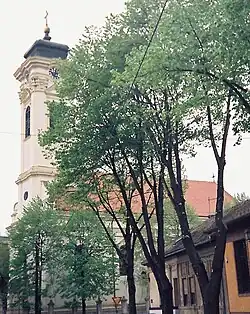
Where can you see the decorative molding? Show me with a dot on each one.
(24, 94)
(34, 76)
(30, 64)
(32, 84)
(39, 83)
(36, 171)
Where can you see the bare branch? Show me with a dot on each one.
(116, 247)
(226, 127)
(212, 139)
(108, 207)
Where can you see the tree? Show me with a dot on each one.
(87, 264)
(113, 217)
(126, 41)
(4, 272)
(241, 197)
(136, 135)
(32, 242)
(237, 198)
(124, 187)
(202, 39)
(171, 113)
(172, 232)
(181, 98)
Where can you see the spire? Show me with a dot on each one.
(46, 48)
(46, 29)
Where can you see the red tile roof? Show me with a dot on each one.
(201, 195)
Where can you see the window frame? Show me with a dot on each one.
(242, 268)
(186, 275)
(177, 292)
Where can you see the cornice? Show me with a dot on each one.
(35, 84)
(32, 62)
(35, 81)
(36, 171)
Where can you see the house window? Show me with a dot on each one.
(242, 266)
(188, 284)
(191, 283)
(208, 266)
(176, 292)
(185, 291)
(27, 122)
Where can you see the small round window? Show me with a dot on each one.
(25, 195)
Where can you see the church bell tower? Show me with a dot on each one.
(37, 76)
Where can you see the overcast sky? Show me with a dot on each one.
(22, 22)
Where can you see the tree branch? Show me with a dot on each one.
(210, 126)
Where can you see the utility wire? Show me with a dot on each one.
(148, 46)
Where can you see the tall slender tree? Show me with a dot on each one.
(32, 241)
(86, 261)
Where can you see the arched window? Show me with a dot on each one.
(27, 122)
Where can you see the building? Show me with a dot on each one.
(237, 259)
(235, 288)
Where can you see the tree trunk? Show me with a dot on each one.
(166, 297)
(130, 248)
(131, 290)
(165, 290)
(83, 306)
(38, 276)
(37, 264)
(4, 303)
(211, 304)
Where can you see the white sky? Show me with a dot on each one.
(22, 22)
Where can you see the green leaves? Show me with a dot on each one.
(38, 221)
(87, 264)
(76, 258)
(113, 139)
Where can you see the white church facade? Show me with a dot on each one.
(37, 76)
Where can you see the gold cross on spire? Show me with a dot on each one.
(47, 29)
(46, 18)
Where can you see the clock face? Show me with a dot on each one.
(53, 72)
